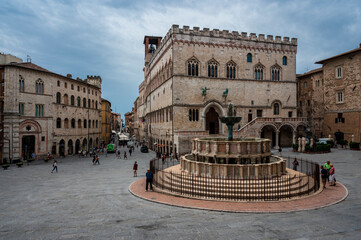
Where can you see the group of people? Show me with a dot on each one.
(328, 174)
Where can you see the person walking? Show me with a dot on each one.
(94, 159)
(130, 151)
(55, 167)
(97, 159)
(118, 154)
(149, 180)
(323, 176)
(135, 168)
(295, 164)
(125, 155)
(332, 178)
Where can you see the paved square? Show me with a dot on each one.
(83, 201)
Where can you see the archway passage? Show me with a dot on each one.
(70, 147)
(85, 142)
(28, 146)
(212, 121)
(285, 137)
(269, 132)
(62, 148)
(90, 143)
(77, 146)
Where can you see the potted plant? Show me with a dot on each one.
(355, 146)
(19, 164)
(5, 166)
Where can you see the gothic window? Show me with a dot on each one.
(66, 102)
(284, 60)
(78, 101)
(58, 83)
(72, 123)
(276, 109)
(258, 72)
(231, 70)
(66, 123)
(21, 84)
(72, 87)
(79, 123)
(21, 109)
(89, 124)
(88, 103)
(249, 57)
(96, 123)
(193, 66)
(58, 97)
(96, 104)
(84, 125)
(39, 86)
(84, 102)
(72, 100)
(212, 68)
(58, 123)
(275, 73)
(92, 103)
(39, 110)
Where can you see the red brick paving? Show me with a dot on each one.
(329, 196)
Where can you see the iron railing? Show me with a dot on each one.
(305, 182)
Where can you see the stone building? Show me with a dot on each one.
(115, 123)
(191, 75)
(47, 112)
(334, 93)
(106, 114)
(128, 120)
(310, 90)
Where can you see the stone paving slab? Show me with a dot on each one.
(326, 197)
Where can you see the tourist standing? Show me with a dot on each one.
(149, 180)
(55, 167)
(135, 168)
(33, 156)
(295, 164)
(118, 154)
(97, 159)
(332, 178)
(327, 166)
(125, 155)
(323, 176)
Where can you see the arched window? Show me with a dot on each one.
(276, 109)
(212, 68)
(96, 123)
(96, 104)
(84, 125)
(58, 97)
(72, 100)
(58, 83)
(79, 123)
(88, 103)
(84, 102)
(284, 60)
(231, 70)
(193, 66)
(78, 101)
(58, 123)
(39, 86)
(89, 124)
(66, 102)
(72, 123)
(66, 123)
(258, 72)
(21, 84)
(275, 73)
(93, 124)
(92, 103)
(72, 87)
(249, 57)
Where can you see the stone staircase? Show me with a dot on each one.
(291, 185)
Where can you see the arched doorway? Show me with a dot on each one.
(70, 147)
(285, 136)
(28, 146)
(269, 132)
(62, 148)
(77, 146)
(212, 121)
(85, 142)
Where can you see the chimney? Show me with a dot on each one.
(69, 75)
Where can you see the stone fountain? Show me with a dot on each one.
(230, 120)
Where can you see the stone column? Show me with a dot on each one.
(207, 147)
(277, 139)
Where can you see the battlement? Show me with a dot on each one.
(231, 35)
(94, 80)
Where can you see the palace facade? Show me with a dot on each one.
(47, 112)
(191, 75)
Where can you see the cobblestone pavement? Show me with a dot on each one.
(83, 201)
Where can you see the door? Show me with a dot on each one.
(28, 146)
(249, 117)
(212, 121)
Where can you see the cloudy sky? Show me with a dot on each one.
(105, 37)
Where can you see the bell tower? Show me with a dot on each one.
(151, 44)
